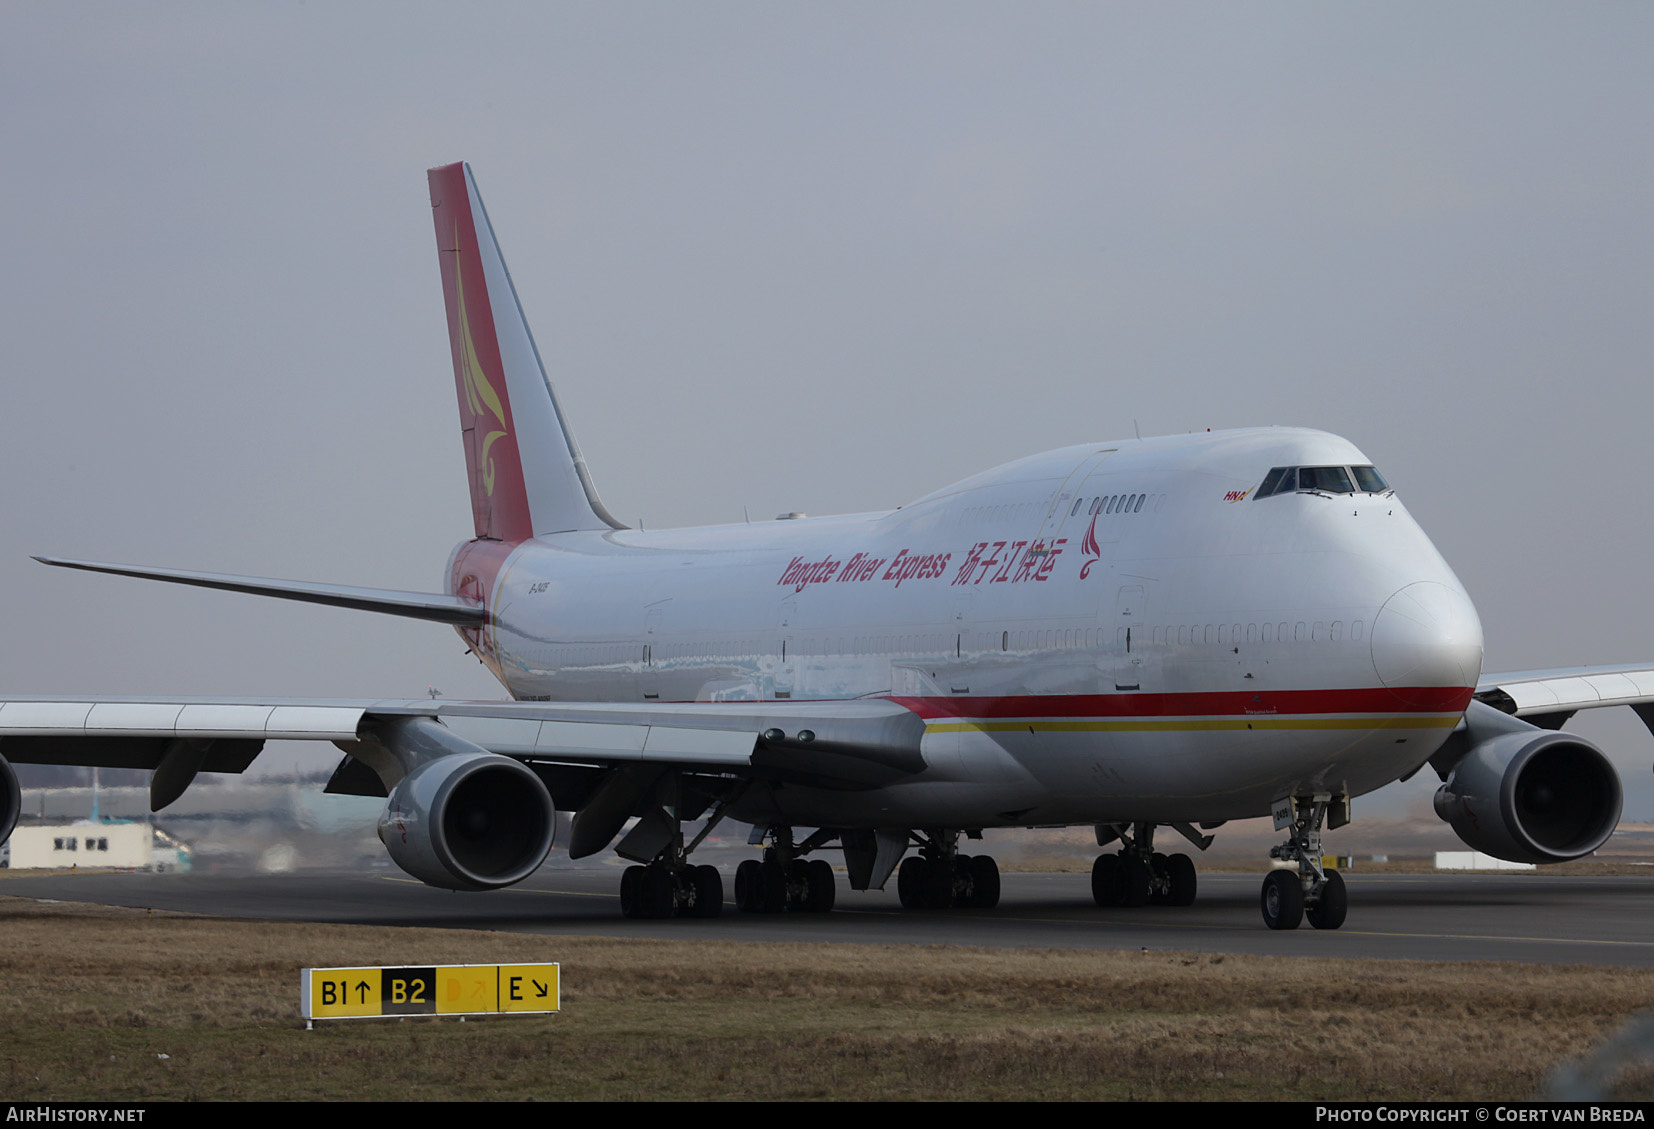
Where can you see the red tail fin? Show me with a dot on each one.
(527, 476)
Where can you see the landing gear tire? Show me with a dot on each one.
(772, 886)
(984, 875)
(1160, 892)
(936, 885)
(1108, 886)
(908, 881)
(656, 889)
(823, 887)
(1329, 910)
(798, 887)
(1282, 900)
(631, 902)
(1180, 871)
(962, 891)
(748, 885)
(760, 887)
(709, 891)
(1135, 883)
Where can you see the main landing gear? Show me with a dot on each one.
(669, 885)
(1313, 892)
(783, 881)
(664, 890)
(939, 877)
(1138, 874)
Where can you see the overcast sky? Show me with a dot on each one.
(804, 257)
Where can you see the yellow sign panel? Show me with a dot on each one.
(528, 987)
(455, 989)
(472, 989)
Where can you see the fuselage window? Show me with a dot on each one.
(1141, 498)
(1078, 502)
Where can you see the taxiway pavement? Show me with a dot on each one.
(1527, 917)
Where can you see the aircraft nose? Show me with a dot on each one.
(1427, 635)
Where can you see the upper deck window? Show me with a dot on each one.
(1323, 480)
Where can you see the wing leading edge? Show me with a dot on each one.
(1548, 698)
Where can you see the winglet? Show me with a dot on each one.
(526, 471)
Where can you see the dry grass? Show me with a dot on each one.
(92, 996)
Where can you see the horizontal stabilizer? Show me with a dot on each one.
(389, 601)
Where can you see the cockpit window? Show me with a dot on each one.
(1368, 479)
(1278, 481)
(1329, 479)
(1322, 479)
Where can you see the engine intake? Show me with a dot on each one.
(1532, 796)
(11, 799)
(469, 822)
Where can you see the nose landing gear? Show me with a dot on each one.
(1313, 892)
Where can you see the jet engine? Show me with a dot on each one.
(11, 798)
(469, 822)
(1532, 795)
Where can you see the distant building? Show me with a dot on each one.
(119, 846)
(1476, 860)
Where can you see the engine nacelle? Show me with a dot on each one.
(469, 822)
(1532, 796)
(11, 799)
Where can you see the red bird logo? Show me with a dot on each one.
(1090, 547)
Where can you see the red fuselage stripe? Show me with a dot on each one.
(1403, 700)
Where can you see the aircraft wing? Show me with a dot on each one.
(607, 762)
(1547, 698)
(842, 744)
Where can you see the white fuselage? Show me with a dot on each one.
(1112, 632)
